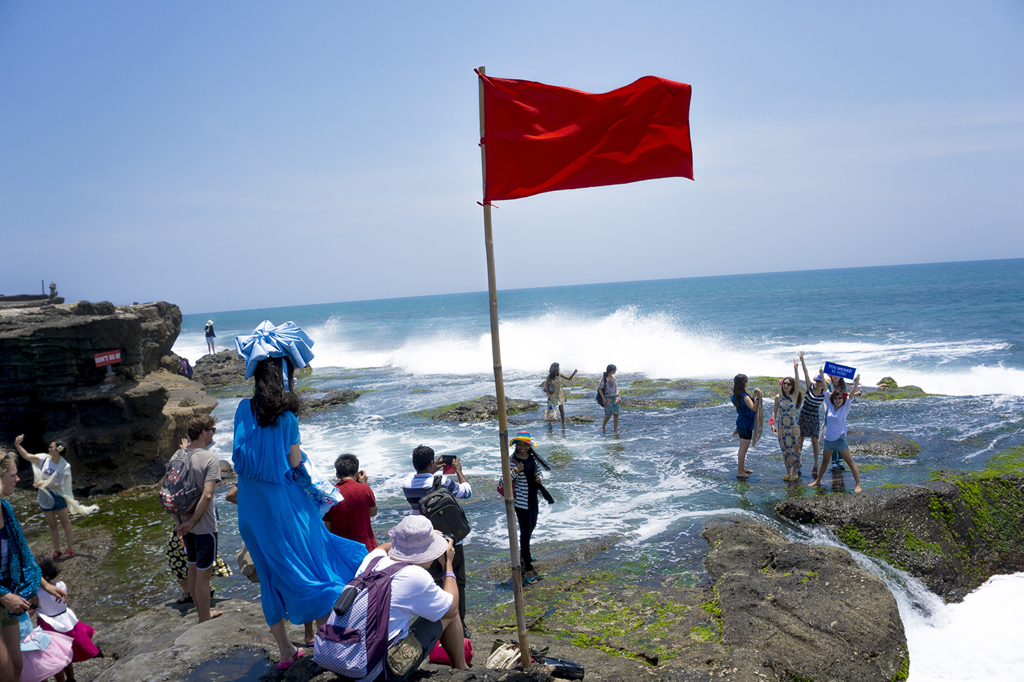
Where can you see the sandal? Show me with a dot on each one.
(299, 651)
(70, 552)
(185, 598)
(56, 555)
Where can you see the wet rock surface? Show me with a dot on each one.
(220, 369)
(332, 399)
(953, 534)
(880, 443)
(808, 611)
(777, 610)
(481, 409)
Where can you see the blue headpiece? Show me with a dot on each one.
(267, 341)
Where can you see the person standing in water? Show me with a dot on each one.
(553, 389)
(810, 413)
(784, 423)
(837, 408)
(609, 391)
(746, 412)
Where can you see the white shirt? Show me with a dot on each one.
(57, 614)
(413, 593)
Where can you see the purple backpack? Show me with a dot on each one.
(355, 637)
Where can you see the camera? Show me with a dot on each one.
(447, 459)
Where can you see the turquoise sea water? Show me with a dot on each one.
(955, 329)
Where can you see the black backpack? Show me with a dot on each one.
(600, 395)
(179, 492)
(444, 511)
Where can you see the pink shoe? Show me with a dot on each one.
(299, 651)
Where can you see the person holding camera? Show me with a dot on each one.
(350, 518)
(419, 484)
(419, 608)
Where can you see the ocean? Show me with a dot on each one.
(953, 329)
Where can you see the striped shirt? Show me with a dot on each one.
(521, 486)
(812, 404)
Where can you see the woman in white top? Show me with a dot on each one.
(418, 606)
(56, 477)
(837, 408)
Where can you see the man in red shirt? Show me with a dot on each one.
(350, 518)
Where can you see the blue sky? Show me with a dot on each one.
(238, 155)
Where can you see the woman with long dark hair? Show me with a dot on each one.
(837, 408)
(553, 389)
(609, 390)
(746, 412)
(302, 567)
(52, 474)
(526, 484)
(785, 423)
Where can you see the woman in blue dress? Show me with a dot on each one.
(302, 567)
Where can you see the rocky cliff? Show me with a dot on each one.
(120, 430)
(953, 533)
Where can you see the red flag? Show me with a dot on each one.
(540, 138)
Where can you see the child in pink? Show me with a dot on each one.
(58, 617)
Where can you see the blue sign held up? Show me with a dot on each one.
(843, 371)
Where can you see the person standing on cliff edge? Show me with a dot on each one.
(211, 346)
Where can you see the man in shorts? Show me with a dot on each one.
(199, 529)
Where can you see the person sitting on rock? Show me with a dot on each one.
(419, 608)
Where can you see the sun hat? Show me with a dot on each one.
(523, 436)
(209, 322)
(415, 542)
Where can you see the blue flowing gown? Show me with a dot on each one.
(302, 566)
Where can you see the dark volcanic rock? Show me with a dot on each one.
(119, 434)
(810, 611)
(880, 443)
(225, 367)
(951, 534)
(123, 437)
(778, 610)
(483, 409)
(331, 399)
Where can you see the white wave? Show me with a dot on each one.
(976, 639)
(656, 345)
(972, 641)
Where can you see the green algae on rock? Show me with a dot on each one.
(953, 533)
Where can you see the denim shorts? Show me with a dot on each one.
(58, 503)
(839, 444)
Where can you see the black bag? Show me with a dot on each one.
(444, 511)
(600, 394)
(179, 490)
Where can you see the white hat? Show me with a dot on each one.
(415, 541)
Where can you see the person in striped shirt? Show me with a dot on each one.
(810, 413)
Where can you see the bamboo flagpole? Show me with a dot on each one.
(499, 389)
